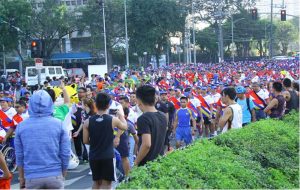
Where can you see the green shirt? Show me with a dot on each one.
(60, 112)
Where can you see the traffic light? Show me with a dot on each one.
(254, 14)
(283, 15)
(37, 49)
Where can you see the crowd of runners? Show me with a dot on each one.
(136, 114)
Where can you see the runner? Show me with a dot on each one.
(182, 124)
(98, 133)
(232, 117)
(246, 104)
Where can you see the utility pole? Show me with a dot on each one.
(104, 30)
(219, 18)
(232, 53)
(126, 34)
(4, 63)
(271, 33)
(194, 40)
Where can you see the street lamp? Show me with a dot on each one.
(145, 55)
(232, 23)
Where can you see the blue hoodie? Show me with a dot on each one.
(42, 145)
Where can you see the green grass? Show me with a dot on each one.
(264, 154)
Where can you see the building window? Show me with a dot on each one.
(79, 2)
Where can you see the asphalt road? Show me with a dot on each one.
(76, 179)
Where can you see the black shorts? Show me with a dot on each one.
(206, 121)
(123, 149)
(198, 119)
(167, 139)
(104, 169)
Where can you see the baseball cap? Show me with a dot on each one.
(6, 99)
(162, 92)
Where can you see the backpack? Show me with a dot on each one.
(248, 104)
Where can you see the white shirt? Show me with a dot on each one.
(196, 102)
(216, 97)
(263, 94)
(116, 106)
(132, 116)
(237, 120)
(11, 112)
(137, 110)
(208, 99)
(25, 115)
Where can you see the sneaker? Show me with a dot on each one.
(90, 173)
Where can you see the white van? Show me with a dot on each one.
(31, 74)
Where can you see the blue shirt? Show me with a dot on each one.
(184, 117)
(246, 112)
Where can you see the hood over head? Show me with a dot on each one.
(40, 104)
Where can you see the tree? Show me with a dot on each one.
(91, 20)
(285, 33)
(14, 15)
(51, 23)
(151, 23)
(207, 41)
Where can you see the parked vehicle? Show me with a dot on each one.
(31, 74)
(73, 72)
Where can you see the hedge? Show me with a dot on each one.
(264, 154)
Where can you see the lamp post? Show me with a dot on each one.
(101, 3)
(194, 39)
(145, 56)
(232, 23)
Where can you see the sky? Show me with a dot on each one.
(292, 7)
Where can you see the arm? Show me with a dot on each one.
(86, 138)
(65, 93)
(144, 149)
(9, 133)
(65, 150)
(175, 124)
(193, 125)
(271, 105)
(3, 167)
(253, 115)
(223, 120)
(136, 141)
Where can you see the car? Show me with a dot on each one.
(73, 72)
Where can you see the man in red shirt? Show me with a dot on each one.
(21, 115)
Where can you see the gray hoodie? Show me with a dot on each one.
(42, 145)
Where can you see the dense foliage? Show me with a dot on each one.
(262, 155)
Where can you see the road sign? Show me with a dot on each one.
(38, 63)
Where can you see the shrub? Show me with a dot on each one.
(261, 155)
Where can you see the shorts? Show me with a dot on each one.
(104, 169)
(184, 134)
(206, 121)
(167, 139)
(123, 149)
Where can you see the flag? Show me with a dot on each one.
(6, 122)
(193, 108)
(175, 102)
(259, 103)
(205, 108)
(163, 84)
